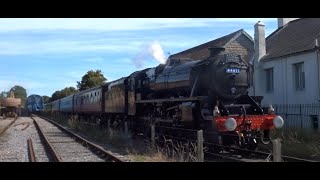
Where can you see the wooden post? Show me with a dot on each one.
(200, 155)
(152, 135)
(301, 123)
(277, 150)
(126, 129)
(188, 151)
(109, 128)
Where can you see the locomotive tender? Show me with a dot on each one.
(210, 94)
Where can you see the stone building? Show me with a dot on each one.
(237, 42)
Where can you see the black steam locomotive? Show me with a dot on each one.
(210, 94)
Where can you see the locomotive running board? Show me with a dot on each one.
(198, 98)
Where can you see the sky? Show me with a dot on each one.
(45, 55)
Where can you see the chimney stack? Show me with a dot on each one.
(259, 41)
(259, 52)
(283, 21)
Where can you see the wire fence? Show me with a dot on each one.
(303, 116)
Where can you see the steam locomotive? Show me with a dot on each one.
(209, 94)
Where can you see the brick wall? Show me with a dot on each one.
(242, 46)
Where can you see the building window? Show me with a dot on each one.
(299, 76)
(315, 124)
(269, 79)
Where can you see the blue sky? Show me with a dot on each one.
(45, 55)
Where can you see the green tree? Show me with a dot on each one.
(91, 79)
(63, 93)
(56, 95)
(20, 92)
(45, 99)
(68, 91)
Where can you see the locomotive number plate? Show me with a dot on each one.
(232, 70)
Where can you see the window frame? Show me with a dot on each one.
(269, 87)
(299, 76)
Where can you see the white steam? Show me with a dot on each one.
(157, 52)
(148, 52)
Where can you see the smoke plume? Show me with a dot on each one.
(157, 52)
(147, 52)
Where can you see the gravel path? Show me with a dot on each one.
(13, 142)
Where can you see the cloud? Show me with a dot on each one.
(115, 24)
(94, 60)
(60, 46)
(28, 84)
(51, 36)
(245, 20)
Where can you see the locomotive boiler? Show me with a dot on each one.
(224, 75)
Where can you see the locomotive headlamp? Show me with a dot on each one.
(230, 124)
(216, 111)
(278, 122)
(270, 110)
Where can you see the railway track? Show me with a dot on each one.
(66, 146)
(242, 155)
(236, 154)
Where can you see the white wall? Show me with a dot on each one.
(284, 91)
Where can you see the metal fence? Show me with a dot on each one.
(299, 115)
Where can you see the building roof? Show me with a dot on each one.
(201, 51)
(296, 36)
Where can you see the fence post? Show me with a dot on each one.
(200, 155)
(126, 129)
(152, 135)
(300, 117)
(276, 150)
(109, 128)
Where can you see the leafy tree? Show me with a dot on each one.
(63, 93)
(91, 79)
(20, 92)
(68, 91)
(45, 99)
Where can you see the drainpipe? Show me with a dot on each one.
(318, 63)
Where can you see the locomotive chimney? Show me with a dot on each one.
(216, 50)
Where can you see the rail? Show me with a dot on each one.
(103, 153)
(32, 155)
